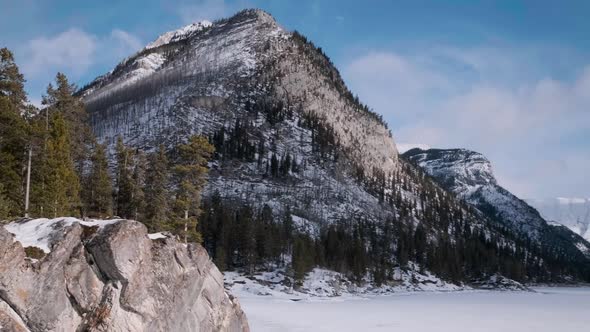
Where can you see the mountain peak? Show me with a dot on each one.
(179, 34)
(463, 170)
(195, 27)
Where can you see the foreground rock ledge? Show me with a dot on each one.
(113, 279)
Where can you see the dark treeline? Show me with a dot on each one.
(248, 238)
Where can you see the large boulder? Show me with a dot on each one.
(110, 277)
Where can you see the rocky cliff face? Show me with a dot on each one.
(97, 277)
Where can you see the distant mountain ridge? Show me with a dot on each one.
(469, 175)
(573, 213)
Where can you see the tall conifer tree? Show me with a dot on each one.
(99, 193)
(61, 98)
(14, 134)
(191, 171)
(62, 182)
(124, 185)
(157, 190)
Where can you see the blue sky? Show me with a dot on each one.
(510, 79)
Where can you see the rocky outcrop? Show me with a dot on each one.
(113, 278)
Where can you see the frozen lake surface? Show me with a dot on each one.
(549, 309)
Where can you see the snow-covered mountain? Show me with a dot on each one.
(243, 71)
(265, 95)
(205, 78)
(469, 175)
(571, 212)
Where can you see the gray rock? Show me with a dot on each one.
(113, 279)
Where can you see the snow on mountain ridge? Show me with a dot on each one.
(179, 34)
(463, 171)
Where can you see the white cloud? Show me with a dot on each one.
(74, 52)
(122, 43)
(535, 130)
(393, 84)
(72, 49)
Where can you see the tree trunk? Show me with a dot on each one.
(185, 226)
(28, 184)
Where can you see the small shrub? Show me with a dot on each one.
(34, 252)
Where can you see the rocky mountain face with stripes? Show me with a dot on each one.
(247, 80)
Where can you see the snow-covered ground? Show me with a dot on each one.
(547, 309)
(321, 283)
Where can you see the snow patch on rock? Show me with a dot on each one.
(156, 236)
(41, 232)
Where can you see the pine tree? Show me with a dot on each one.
(191, 171)
(40, 170)
(124, 182)
(11, 80)
(274, 165)
(157, 191)
(62, 185)
(61, 99)
(245, 238)
(4, 204)
(14, 133)
(99, 199)
(138, 182)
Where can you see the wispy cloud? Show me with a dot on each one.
(484, 99)
(122, 43)
(73, 50)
